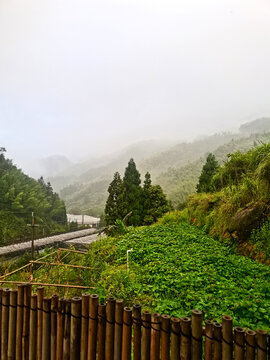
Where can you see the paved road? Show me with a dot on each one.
(17, 248)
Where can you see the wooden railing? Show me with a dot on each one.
(81, 328)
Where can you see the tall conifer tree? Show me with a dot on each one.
(114, 204)
(133, 194)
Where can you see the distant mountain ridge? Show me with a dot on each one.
(88, 190)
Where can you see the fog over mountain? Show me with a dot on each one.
(88, 79)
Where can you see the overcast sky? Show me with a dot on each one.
(89, 76)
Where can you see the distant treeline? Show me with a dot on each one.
(20, 196)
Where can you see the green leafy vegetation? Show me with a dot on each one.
(21, 195)
(174, 267)
(239, 200)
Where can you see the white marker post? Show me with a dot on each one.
(128, 251)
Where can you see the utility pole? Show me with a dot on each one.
(33, 225)
(33, 236)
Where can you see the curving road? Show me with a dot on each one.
(41, 243)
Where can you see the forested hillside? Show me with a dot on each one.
(21, 195)
(176, 168)
(178, 183)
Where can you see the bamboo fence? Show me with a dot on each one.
(34, 326)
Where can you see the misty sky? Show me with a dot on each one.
(89, 76)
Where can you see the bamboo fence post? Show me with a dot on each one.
(93, 326)
(155, 337)
(118, 329)
(4, 324)
(261, 337)
(26, 321)
(217, 354)
(60, 328)
(101, 331)
(185, 340)
(75, 327)
(54, 309)
(66, 345)
(46, 324)
(227, 338)
(1, 292)
(84, 326)
(250, 344)
(239, 343)
(146, 335)
(127, 333)
(197, 332)
(40, 296)
(175, 338)
(137, 332)
(208, 344)
(165, 337)
(110, 311)
(33, 328)
(12, 325)
(19, 325)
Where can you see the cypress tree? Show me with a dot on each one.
(133, 194)
(114, 203)
(208, 171)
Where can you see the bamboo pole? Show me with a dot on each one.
(45, 284)
(74, 251)
(208, 344)
(4, 324)
(66, 345)
(26, 321)
(57, 264)
(185, 340)
(250, 344)
(33, 328)
(217, 335)
(127, 333)
(93, 326)
(239, 343)
(54, 309)
(197, 332)
(60, 328)
(110, 318)
(261, 337)
(1, 292)
(155, 337)
(12, 325)
(101, 331)
(137, 330)
(175, 338)
(46, 328)
(40, 296)
(19, 325)
(118, 329)
(13, 272)
(227, 338)
(165, 337)
(75, 327)
(146, 335)
(84, 326)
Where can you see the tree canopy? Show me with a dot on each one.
(21, 195)
(145, 204)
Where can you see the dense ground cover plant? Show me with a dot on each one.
(175, 268)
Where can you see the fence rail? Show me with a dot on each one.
(37, 327)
